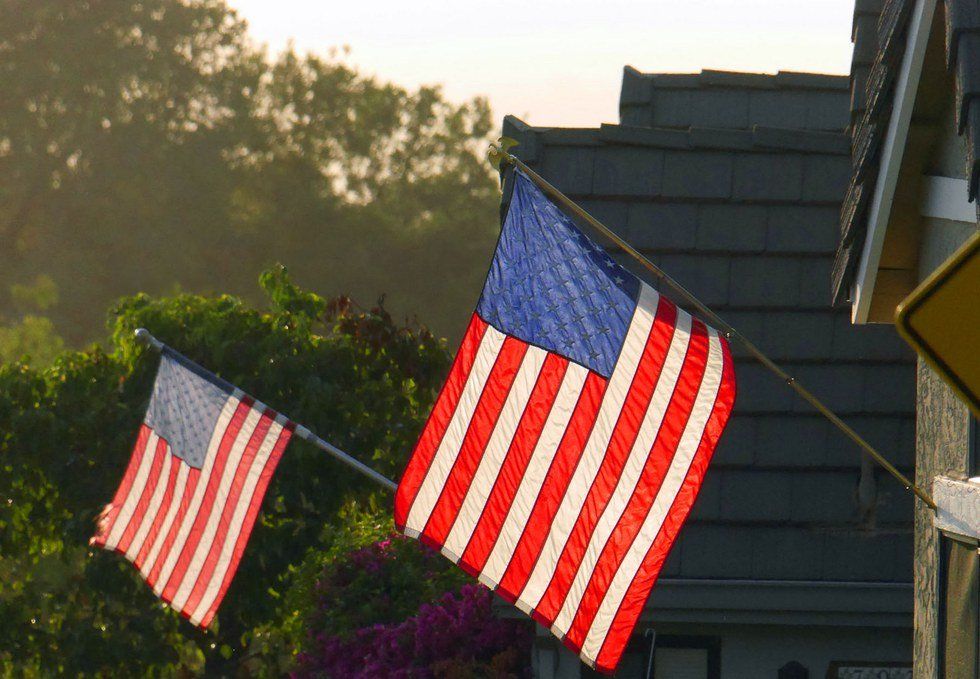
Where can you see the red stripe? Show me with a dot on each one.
(482, 424)
(144, 502)
(636, 596)
(230, 504)
(515, 463)
(210, 491)
(648, 485)
(104, 527)
(193, 475)
(250, 516)
(438, 422)
(617, 452)
(553, 489)
(168, 495)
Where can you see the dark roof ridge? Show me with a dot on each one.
(742, 79)
(758, 138)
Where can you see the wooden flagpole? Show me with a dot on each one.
(498, 154)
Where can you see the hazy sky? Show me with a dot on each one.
(558, 62)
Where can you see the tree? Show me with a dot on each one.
(148, 146)
(355, 377)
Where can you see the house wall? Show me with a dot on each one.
(749, 651)
(942, 425)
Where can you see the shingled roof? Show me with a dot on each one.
(879, 35)
(745, 216)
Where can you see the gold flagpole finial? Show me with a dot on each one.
(499, 152)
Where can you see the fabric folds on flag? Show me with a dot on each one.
(190, 496)
(572, 435)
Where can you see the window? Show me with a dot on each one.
(959, 608)
(681, 657)
(666, 656)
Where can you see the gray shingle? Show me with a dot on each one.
(768, 177)
(827, 111)
(890, 390)
(755, 495)
(662, 226)
(765, 281)
(824, 497)
(759, 391)
(839, 386)
(628, 171)
(778, 109)
(865, 556)
(870, 342)
(697, 174)
(569, 168)
(799, 335)
(732, 228)
(671, 108)
(884, 433)
(738, 442)
(720, 108)
(714, 552)
(708, 503)
(706, 276)
(751, 324)
(786, 553)
(791, 441)
(814, 273)
(797, 228)
(825, 178)
(894, 503)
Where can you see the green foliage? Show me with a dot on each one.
(351, 375)
(147, 144)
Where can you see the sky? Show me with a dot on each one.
(553, 62)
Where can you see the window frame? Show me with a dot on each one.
(683, 641)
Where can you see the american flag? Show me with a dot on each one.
(572, 435)
(203, 459)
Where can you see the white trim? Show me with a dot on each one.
(958, 506)
(893, 149)
(947, 198)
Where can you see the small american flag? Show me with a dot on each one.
(572, 435)
(202, 462)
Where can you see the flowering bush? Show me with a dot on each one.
(384, 611)
(457, 636)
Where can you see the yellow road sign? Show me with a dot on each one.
(941, 320)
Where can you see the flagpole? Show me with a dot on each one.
(498, 155)
(143, 335)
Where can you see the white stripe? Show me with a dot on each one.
(442, 461)
(237, 520)
(150, 515)
(217, 507)
(231, 405)
(179, 484)
(496, 450)
(639, 454)
(135, 491)
(687, 448)
(595, 448)
(537, 469)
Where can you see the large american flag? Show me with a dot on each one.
(572, 434)
(203, 459)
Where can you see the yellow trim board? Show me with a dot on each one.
(941, 320)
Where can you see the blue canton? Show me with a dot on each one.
(551, 286)
(184, 410)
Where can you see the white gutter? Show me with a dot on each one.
(893, 150)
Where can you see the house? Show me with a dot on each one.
(797, 558)
(911, 201)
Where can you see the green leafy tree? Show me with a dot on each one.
(353, 376)
(147, 145)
